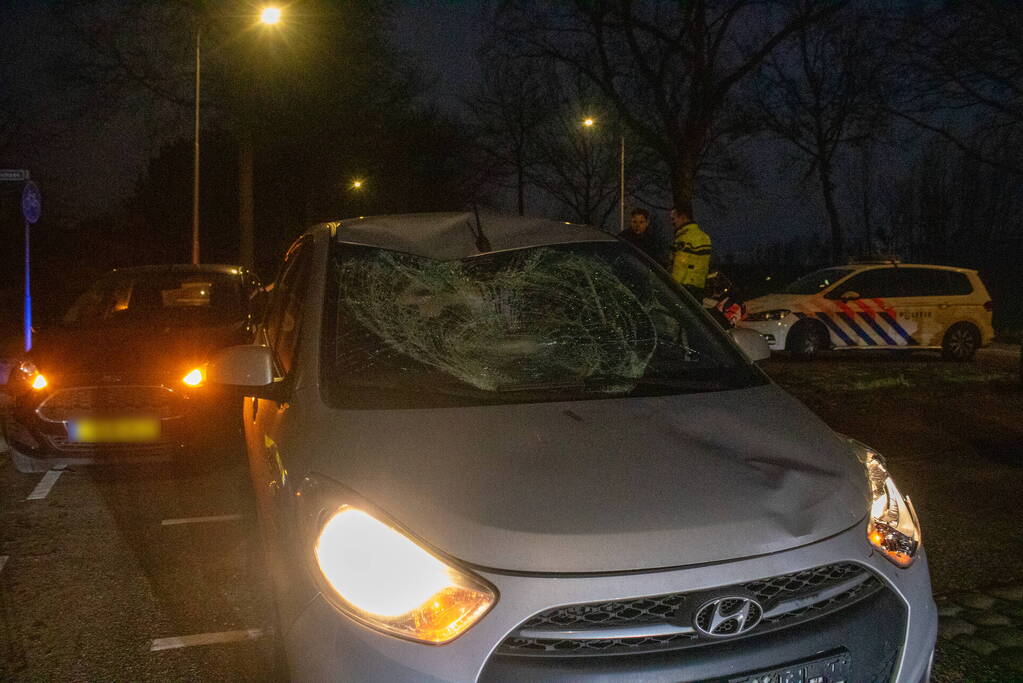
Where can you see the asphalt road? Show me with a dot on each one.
(114, 564)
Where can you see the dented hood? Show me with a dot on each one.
(602, 485)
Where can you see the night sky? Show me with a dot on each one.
(94, 165)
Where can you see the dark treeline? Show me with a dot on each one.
(900, 126)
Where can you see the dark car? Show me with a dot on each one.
(122, 376)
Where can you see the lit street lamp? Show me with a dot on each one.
(269, 15)
(589, 122)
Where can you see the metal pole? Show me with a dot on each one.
(195, 168)
(28, 292)
(621, 184)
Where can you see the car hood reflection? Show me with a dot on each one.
(602, 485)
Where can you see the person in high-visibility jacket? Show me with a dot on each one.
(690, 254)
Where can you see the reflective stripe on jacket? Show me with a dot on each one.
(690, 260)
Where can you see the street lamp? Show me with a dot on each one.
(269, 15)
(356, 184)
(589, 122)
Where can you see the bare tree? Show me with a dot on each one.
(507, 111)
(821, 91)
(964, 76)
(668, 69)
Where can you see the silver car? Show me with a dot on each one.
(493, 448)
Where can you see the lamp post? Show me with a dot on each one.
(269, 15)
(589, 122)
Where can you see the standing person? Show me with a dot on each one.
(642, 236)
(690, 254)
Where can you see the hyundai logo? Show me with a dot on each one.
(727, 617)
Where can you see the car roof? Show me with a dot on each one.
(181, 268)
(450, 236)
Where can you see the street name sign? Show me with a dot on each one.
(13, 174)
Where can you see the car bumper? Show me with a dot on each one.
(900, 619)
(774, 332)
(197, 420)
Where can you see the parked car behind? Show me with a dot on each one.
(505, 449)
(122, 376)
(878, 305)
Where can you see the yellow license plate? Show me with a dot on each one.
(120, 430)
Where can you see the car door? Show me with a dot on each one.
(866, 311)
(264, 417)
(925, 302)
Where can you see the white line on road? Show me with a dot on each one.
(200, 520)
(3, 561)
(205, 639)
(42, 489)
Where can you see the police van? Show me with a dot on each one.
(877, 305)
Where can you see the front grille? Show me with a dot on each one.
(114, 401)
(648, 623)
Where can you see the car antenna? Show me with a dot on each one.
(482, 243)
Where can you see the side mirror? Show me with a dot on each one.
(751, 342)
(248, 369)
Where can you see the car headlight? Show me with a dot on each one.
(893, 527)
(31, 374)
(377, 574)
(776, 314)
(195, 377)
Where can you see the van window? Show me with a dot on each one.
(959, 284)
(871, 284)
(924, 282)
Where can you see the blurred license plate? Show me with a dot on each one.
(834, 669)
(125, 429)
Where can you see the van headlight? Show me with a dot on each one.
(893, 527)
(377, 574)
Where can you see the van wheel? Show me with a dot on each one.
(960, 343)
(26, 464)
(807, 339)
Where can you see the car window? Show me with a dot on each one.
(283, 315)
(816, 281)
(159, 298)
(540, 324)
(959, 284)
(925, 282)
(870, 284)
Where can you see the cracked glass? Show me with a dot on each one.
(540, 324)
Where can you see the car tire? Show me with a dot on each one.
(807, 339)
(26, 464)
(960, 343)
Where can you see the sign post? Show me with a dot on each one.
(31, 208)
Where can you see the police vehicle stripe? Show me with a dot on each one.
(878, 329)
(848, 319)
(897, 327)
(826, 319)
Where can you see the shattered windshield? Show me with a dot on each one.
(816, 281)
(546, 323)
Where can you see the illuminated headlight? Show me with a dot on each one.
(384, 579)
(776, 314)
(893, 527)
(194, 378)
(31, 373)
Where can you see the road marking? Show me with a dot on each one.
(3, 561)
(200, 520)
(205, 639)
(42, 489)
